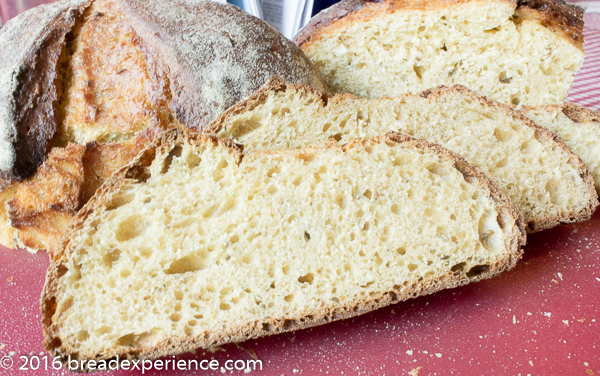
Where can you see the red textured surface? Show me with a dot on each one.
(540, 318)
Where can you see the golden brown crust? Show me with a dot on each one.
(54, 191)
(112, 90)
(7, 232)
(42, 207)
(579, 114)
(561, 17)
(547, 137)
(509, 215)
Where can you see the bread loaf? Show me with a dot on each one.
(100, 73)
(547, 182)
(196, 244)
(523, 52)
(577, 126)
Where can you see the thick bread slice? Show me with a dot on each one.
(577, 126)
(516, 52)
(112, 70)
(547, 182)
(196, 244)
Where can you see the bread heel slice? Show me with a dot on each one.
(516, 52)
(537, 170)
(197, 244)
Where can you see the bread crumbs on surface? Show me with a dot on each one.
(438, 355)
(409, 352)
(531, 363)
(529, 314)
(10, 279)
(547, 314)
(2, 346)
(415, 372)
(566, 322)
(514, 319)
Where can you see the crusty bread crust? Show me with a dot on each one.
(212, 55)
(547, 136)
(561, 17)
(579, 114)
(137, 171)
(216, 54)
(30, 46)
(68, 179)
(575, 112)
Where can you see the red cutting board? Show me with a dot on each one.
(541, 318)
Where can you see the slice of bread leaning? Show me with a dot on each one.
(577, 126)
(547, 182)
(197, 244)
(517, 52)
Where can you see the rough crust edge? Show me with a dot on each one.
(509, 213)
(576, 113)
(561, 17)
(276, 84)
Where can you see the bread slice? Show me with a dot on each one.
(577, 126)
(547, 182)
(516, 52)
(98, 74)
(197, 244)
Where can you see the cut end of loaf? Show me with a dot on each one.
(196, 245)
(519, 55)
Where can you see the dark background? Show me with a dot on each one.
(322, 4)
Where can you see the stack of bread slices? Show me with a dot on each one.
(184, 209)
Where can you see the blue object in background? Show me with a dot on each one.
(322, 4)
(239, 3)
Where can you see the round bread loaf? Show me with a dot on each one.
(208, 56)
